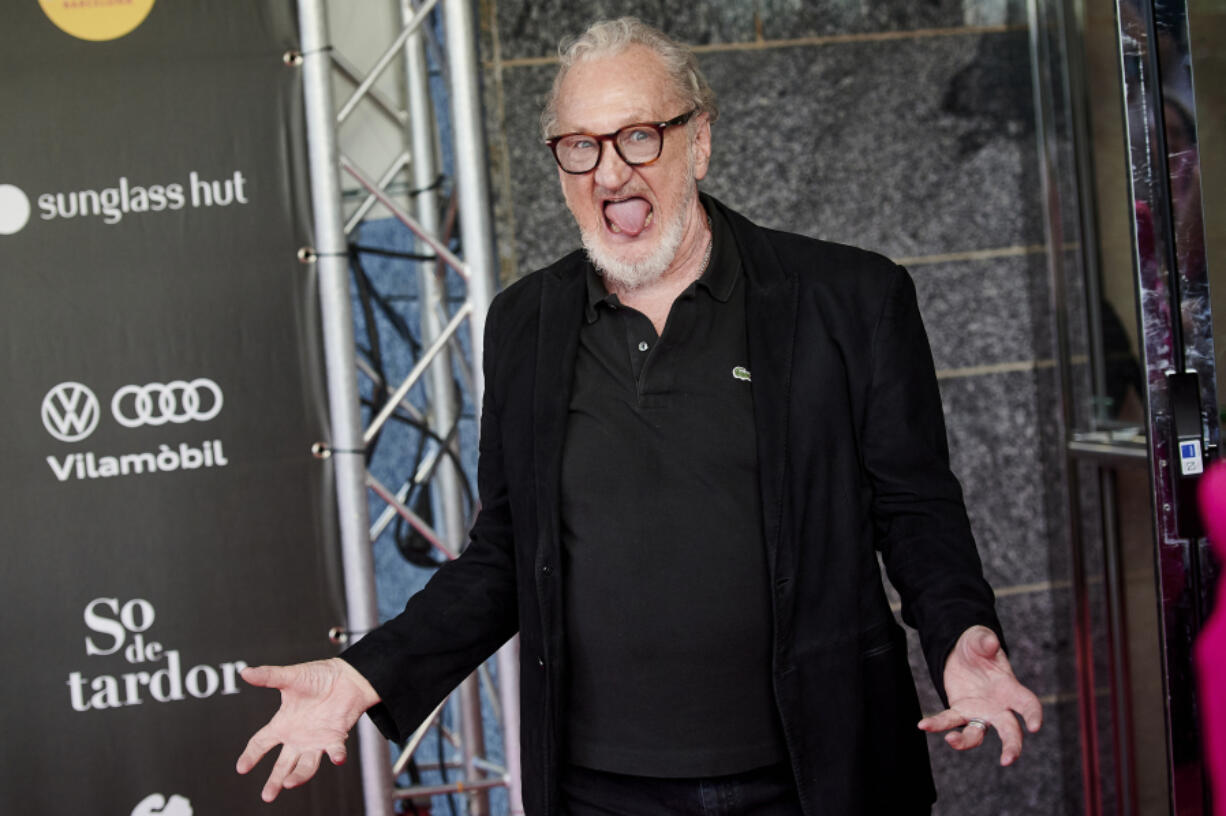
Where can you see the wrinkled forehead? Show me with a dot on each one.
(602, 93)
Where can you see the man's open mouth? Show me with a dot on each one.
(628, 216)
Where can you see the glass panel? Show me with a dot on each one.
(1139, 664)
(1117, 404)
(1208, 56)
(1176, 320)
(1129, 754)
(1120, 142)
(1207, 20)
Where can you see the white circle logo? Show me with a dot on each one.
(14, 209)
(70, 412)
(157, 404)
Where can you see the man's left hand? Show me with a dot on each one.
(982, 692)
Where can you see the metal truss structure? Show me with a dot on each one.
(442, 321)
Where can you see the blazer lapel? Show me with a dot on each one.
(557, 341)
(770, 317)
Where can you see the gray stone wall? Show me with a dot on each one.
(904, 126)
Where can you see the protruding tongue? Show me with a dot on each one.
(628, 217)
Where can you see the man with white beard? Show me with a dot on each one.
(697, 436)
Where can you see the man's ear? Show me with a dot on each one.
(702, 146)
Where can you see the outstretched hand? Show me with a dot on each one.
(982, 692)
(320, 702)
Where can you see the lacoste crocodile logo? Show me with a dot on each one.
(741, 373)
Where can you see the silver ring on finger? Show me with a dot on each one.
(977, 723)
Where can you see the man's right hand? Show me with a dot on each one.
(320, 702)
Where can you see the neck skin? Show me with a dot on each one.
(655, 299)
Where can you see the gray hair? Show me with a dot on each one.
(611, 37)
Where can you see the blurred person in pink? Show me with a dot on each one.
(1211, 644)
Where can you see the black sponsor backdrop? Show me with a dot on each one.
(238, 561)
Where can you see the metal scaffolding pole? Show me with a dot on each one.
(433, 288)
(331, 253)
(437, 362)
(472, 178)
(431, 274)
(472, 185)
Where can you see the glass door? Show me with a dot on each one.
(1117, 103)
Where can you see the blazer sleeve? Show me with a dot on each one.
(467, 609)
(919, 517)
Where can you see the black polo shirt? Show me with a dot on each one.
(668, 625)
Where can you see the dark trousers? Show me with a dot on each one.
(768, 791)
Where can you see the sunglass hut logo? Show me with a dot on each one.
(114, 202)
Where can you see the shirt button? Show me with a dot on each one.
(547, 570)
(540, 661)
(643, 345)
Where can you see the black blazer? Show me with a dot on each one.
(853, 462)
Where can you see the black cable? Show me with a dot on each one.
(437, 184)
(374, 350)
(393, 317)
(426, 431)
(414, 774)
(410, 543)
(392, 253)
(367, 294)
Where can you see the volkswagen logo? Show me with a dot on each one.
(70, 412)
(178, 401)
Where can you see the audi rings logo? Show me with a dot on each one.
(177, 402)
(70, 412)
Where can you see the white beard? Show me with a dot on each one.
(631, 275)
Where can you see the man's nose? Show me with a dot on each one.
(612, 171)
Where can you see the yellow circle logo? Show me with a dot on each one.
(97, 19)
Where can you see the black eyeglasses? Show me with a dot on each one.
(640, 143)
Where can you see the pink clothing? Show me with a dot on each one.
(1211, 644)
